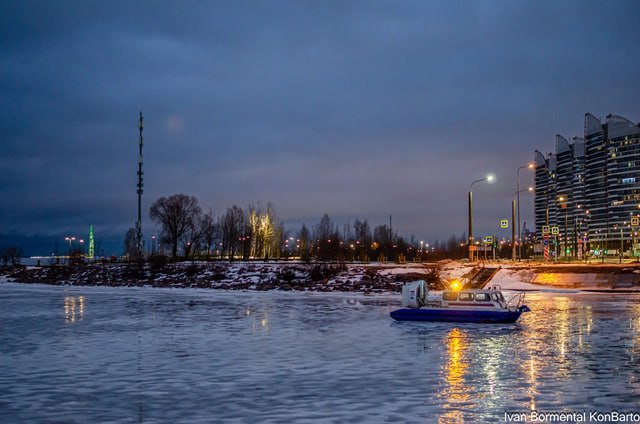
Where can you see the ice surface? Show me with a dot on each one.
(75, 355)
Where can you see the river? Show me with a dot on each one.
(123, 355)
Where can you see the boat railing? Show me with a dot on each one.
(518, 298)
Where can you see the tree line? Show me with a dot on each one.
(255, 232)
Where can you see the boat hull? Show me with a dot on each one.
(455, 315)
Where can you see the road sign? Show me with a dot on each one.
(555, 230)
(635, 221)
(488, 239)
(504, 223)
(545, 229)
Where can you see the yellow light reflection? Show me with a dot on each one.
(530, 369)
(456, 393)
(258, 321)
(73, 309)
(634, 324)
(562, 333)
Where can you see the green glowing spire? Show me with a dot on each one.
(91, 243)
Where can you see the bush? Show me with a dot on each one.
(321, 271)
(286, 275)
(193, 270)
(433, 278)
(157, 263)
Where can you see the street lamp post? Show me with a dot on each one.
(70, 240)
(528, 166)
(513, 227)
(488, 178)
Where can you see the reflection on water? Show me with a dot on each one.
(73, 309)
(456, 393)
(258, 320)
(570, 353)
(153, 356)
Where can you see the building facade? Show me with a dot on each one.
(588, 190)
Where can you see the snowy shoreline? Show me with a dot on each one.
(333, 277)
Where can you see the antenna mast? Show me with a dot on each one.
(139, 222)
(92, 249)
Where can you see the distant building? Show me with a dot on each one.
(589, 188)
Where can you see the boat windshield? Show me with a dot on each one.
(497, 296)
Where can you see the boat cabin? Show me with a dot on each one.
(473, 296)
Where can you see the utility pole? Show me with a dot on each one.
(390, 247)
(139, 222)
(513, 230)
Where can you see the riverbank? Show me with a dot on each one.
(330, 277)
(259, 276)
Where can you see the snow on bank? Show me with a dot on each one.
(513, 279)
(324, 277)
(529, 280)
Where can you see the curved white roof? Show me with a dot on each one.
(592, 125)
(619, 126)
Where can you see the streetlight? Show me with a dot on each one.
(513, 226)
(562, 202)
(527, 166)
(489, 178)
(70, 240)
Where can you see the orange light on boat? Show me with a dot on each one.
(455, 285)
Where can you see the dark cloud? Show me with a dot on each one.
(358, 109)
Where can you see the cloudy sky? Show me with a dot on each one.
(358, 109)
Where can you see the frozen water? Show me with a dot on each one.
(121, 355)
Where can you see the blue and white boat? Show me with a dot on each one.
(457, 305)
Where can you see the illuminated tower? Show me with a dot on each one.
(91, 243)
(139, 222)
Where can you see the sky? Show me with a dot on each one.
(357, 109)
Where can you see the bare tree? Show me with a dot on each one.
(327, 238)
(304, 243)
(266, 235)
(233, 225)
(12, 255)
(210, 232)
(363, 239)
(384, 240)
(179, 216)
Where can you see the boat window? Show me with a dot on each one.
(494, 296)
(480, 297)
(449, 296)
(465, 296)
